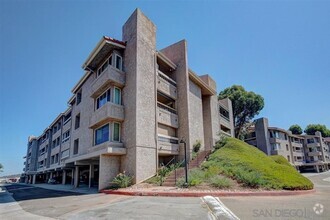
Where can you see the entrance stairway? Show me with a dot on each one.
(178, 173)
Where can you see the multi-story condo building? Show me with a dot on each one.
(129, 112)
(302, 151)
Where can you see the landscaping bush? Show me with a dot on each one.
(122, 180)
(197, 146)
(280, 159)
(253, 168)
(219, 182)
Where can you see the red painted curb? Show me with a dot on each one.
(200, 194)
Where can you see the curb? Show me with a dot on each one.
(201, 194)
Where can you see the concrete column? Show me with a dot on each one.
(34, 179)
(72, 176)
(76, 177)
(140, 34)
(63, 177)
(90, 176)
(51, 175)
(317, 168)
(109, 168)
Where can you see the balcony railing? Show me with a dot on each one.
(168, 145)
(106, 113)
(109, 76)
(166, 85)
(166, 108)
(166, 78)
(167, 116)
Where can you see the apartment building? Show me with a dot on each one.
(305, 152)
(129, 112)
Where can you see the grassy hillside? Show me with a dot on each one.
(253, 168)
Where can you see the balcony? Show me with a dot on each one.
(109, 148)
(315, 153)
(167, 115)
(168, 145)
(313, 145)
(298, 153)
(110, 76)
(106, 113)
(166, 85)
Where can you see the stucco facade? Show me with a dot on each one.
(129, 112)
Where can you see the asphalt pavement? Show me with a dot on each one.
(30, 202)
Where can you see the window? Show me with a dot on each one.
(102, 134)
(65, 154)
(102, 99)
(76, 146)
(287, 147)
(276, 147)
(67, 118)
(58, 141)
(54, 143)
(119, 62)
(116, 132)
(79, 94)
(104, 66)
(66, 136)
(77, 121)
(52, 159)
(117, 98)
(56, 158)
(289, 158)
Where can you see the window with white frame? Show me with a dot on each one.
(102, 99)
(117, 96)
(118, 62)
(116, 132)
(102, 134)
(104, 66)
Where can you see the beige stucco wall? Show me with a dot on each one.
(109, 168)
(196, 126)
(139, 94)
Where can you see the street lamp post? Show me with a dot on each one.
(182, 141)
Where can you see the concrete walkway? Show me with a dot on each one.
(67, 188)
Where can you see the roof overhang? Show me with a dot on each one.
(102, 49)
(206, 90)
(166, 60)
(56, 119)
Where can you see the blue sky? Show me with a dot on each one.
(278, 49)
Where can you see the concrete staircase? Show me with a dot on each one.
(178, 173)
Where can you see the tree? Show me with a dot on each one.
(312, 128)
(246, 105)
(1, 168)
(295, 129)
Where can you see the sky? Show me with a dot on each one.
(278, 49)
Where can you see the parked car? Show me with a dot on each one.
(53, 181)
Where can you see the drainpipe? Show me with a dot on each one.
(156, 112)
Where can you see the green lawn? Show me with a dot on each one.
(251, 167)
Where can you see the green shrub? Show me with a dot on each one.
(197, 146)
(195, 177)
(253, 168)
(219, 182)
(211, 172)
(122, 180)
(194, 155)
(280, 159)
(221, 142)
